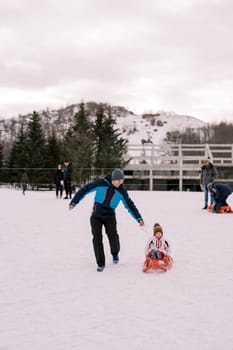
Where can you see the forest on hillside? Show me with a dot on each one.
(86, 144)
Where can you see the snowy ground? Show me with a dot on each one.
(52, 298)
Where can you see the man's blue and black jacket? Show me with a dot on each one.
(107, 198)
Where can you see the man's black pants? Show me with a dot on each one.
(110, 226)
(68, 188)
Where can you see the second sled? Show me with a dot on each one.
(222, 209)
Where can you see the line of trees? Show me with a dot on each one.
(87, 144)
(221, 133)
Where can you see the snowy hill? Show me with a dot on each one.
(136, 128)
(153, 128)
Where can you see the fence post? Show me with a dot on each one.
(151, 179)
(180, 168)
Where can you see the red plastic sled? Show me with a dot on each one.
(222, 210)
(164, 264)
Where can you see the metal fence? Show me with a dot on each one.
(151, 167)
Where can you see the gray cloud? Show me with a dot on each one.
(173, 55)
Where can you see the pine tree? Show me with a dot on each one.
(36, 149)
(81, 121)
(1, 155)
(99, 142)
(78, 145)
(18, 159)
(1, 163)
(18, 155)
(53, 153)
(35, 142)
(110, 147)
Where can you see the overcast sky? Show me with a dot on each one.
(146, 55)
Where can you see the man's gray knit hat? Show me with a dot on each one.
(117, 174)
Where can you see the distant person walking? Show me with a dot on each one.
(109, 191)
(208, 175)
(59, 180)
(68, 175)
(24, 182)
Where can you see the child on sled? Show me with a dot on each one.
(157, 251)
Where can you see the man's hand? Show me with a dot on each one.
(141, 223)
(71, 207)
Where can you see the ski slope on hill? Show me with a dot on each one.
(53, 298)
(135, 128)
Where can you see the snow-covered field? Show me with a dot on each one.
(52, 297)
